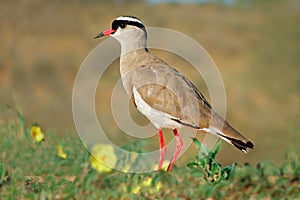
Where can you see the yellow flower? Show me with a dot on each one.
(103, 158)
(60, 152)
(156, 188)
(136, 189)
(146, 186)
(147, 182)
(36, 133)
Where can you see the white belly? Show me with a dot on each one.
(158, 119)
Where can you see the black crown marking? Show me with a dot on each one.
(125, 20)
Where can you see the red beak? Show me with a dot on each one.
(105, 33)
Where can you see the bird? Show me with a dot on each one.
(162, 93)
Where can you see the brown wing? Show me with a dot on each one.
(167, 90)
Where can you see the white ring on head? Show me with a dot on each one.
(122, 18)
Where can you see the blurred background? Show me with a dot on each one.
(255, 44)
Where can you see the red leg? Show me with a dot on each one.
(179, 145)
(162, 149)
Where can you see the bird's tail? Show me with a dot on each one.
(244, 146)
(223, 130)
(232, 136)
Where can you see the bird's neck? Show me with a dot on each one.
(132, 45)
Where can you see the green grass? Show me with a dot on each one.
(30, 170)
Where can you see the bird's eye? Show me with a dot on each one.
(122, 25)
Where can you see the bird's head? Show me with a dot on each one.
(126, 29)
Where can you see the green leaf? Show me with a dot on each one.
(287, 168)
(197, 143)
(155, 179)
(215, 150)
(192, 164)
(2, 173)
(197, 173)
(269, 169)
(281, 181)
(214, 167)
(226, 171)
